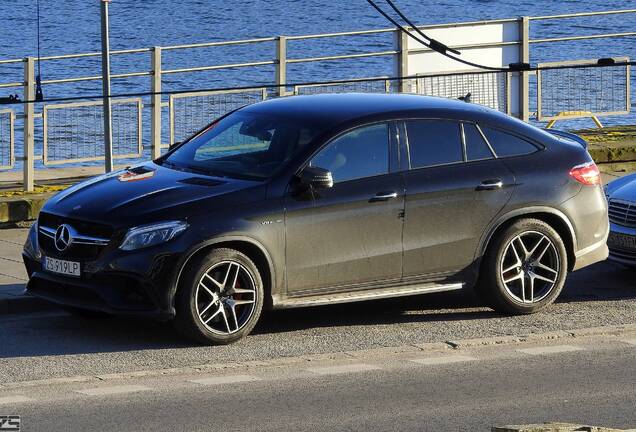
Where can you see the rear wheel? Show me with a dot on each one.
(220, 299)
(524, 268)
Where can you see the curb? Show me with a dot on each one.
(612, 154)
(308, 359)
(21, 209)
(614, 167)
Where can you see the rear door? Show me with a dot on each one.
(454, 187)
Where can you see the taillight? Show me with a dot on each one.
(587, 173)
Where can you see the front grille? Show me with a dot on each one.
(84, 227)
(79, 250)
(622, 213)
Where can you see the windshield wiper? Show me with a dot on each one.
(191, 168)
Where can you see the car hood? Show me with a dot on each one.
(144, 193)
(623, 188)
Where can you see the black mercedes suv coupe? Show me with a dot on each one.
(313, 200)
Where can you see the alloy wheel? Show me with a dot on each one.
(530, 267)
(225, 297)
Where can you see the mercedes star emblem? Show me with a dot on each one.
(63, 237)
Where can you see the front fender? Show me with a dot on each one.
(217, 240)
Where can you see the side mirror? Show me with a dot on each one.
(174, 145)
(317, 177)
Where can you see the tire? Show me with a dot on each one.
(510, 281)
(88, 314)
(220, 298)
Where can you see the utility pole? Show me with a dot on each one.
(108, 132)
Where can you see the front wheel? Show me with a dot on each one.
(524, 268)
(220, 299)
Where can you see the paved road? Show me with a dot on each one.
(591, 382)
(56, 344)
(586, 380)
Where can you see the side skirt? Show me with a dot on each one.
(335, 298)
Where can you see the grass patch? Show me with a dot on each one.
(37, 190)
(613, 135)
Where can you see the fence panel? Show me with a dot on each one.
(582, 91)
(74, 132)
(7, 139)
(380, 85)
(491, 89)
(190, 112)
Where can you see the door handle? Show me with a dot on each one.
(491, 184)
(383, 196)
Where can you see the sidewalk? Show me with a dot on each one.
(13, 276)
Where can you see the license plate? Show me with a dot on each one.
(622, 241)
(69, 268)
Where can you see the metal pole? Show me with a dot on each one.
(155, 87)
(29, 125)
(402, 47)
(108, 132)
(524, 54)
(281, 64)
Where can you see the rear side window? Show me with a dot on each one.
(434, 142)
(505, 144)
(476, 147)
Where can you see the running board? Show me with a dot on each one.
(349, 297)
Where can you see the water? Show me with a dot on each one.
(73, 26)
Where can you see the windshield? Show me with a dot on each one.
(243, 145)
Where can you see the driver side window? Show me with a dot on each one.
(362, 152)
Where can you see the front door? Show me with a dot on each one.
(350, 235)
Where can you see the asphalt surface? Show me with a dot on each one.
(361, 366)
(48, 345)
(591, 384)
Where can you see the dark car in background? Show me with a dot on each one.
(621, 195)
(313, 200)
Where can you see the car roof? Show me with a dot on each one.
(343, 106)
(331, 110)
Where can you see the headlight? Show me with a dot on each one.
(151, 235)
(31, 245)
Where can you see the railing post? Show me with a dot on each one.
(524, 54)
(402, 41)
(108, 114)
(155, 87)
(281, 65)
(29, 124)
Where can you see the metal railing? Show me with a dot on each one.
(7, 134)
(583, 91)
(74, 132)
(362, 85)
(491, 89)
(189, 112)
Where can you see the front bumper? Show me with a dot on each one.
(139, 283)
(621, 254)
